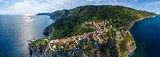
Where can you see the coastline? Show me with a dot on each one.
(130, 26)
(123, 43)
(33, 50)
(133, 22)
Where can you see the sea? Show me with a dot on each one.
(15, 30)
(147, 36)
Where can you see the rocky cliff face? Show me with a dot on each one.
(89, 31)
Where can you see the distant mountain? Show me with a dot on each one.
(43, 14)
(109, 24)
(57, 14)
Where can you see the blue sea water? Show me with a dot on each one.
(15, 30)
(147, 35)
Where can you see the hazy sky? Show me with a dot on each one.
(35, 6)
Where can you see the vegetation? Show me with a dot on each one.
(118, 15)
(39, 42)
(108, 34)
(80, 30)
(128, 37)
(69, 23)
(123, 44)
(59, 14)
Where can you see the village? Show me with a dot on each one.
(92, 39)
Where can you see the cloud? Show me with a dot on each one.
(3, 1)
(28, 7)
(35, 6)
(32, 6)
(153, 6)
(153, 3)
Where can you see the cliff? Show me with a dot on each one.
(88, 31)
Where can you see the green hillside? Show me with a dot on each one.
(119, 16)
(104, 30)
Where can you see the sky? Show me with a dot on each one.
(37, 6)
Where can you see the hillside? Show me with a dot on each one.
(92, 31)
(120, 16)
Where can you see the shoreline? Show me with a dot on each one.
(133, 22)
(131, 25)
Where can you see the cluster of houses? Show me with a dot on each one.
(75, 41)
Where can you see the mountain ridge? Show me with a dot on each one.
(84, 13)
